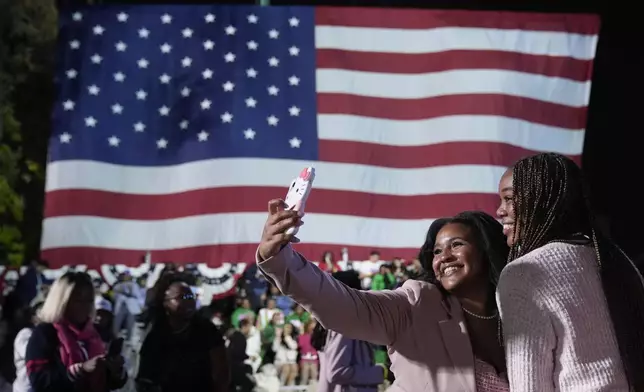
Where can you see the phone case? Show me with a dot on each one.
(298, 193)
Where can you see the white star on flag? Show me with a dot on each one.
(228, 86)
(65, 137)
(295, 142)
(226, 117)
(251, 102)
(91, 122)
(114, 141)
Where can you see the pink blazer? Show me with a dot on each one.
(426, 336)
(348, 362)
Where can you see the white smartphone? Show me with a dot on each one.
(298, 193)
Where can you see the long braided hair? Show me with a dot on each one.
(550, 204)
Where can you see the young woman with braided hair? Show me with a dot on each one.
(572, 303)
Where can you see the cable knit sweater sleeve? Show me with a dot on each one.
(528, 331)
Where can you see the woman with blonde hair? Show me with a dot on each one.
(65, 352)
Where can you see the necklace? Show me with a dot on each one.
(492, 317)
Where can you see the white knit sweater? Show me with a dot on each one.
(557, 329)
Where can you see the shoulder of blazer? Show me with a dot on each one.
(428, 295)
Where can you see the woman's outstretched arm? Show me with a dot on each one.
(378, 317)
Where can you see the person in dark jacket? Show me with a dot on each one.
(240, 371)
(180, 351)
(65, 352)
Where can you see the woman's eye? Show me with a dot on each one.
(436, 252)
(456, 244)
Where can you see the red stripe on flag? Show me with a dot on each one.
(432, 19)
(254, 199)
(433, 155)
(528, 109)
(212, 255)
(414, 63)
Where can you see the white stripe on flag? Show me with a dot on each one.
(218, 173)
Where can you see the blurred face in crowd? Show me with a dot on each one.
(274, 290)
(310, 326)
(288, 329)
(103, 318)
(80, 305)
(245, 328)
(457, 262)
(180, 301)
(245, 303)
(270, 304)
(298, 309)
(505, 212)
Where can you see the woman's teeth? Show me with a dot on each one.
(450, 270)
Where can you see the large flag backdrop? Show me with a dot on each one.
(176, 124)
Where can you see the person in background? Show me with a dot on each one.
(179, 351)
(384, 279)
(128, 302)
(65, 352)
(268, 336)
(298, 317)
(282, 302)
(328, 263)
(242, 312)
(346, 364)
(241, 372)
(286, 350)
(32, 284)
(572, 303)
(266, 314)
(254, 346)
(104, 318)
(255, 285)
(308, 354)
(21, 383)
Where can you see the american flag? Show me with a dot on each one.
(176, 124)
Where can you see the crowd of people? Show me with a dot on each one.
(487, 306)
(270, 340)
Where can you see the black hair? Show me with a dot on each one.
(351, 279)
(154, 311)
(551, 204)
(244, 322)
(488, 238)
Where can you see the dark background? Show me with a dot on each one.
(612, 149)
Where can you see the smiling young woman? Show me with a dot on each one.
(572, 302)
(441, 330)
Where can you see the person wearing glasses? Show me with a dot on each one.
(179, 350)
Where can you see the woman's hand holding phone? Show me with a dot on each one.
(274, 235)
